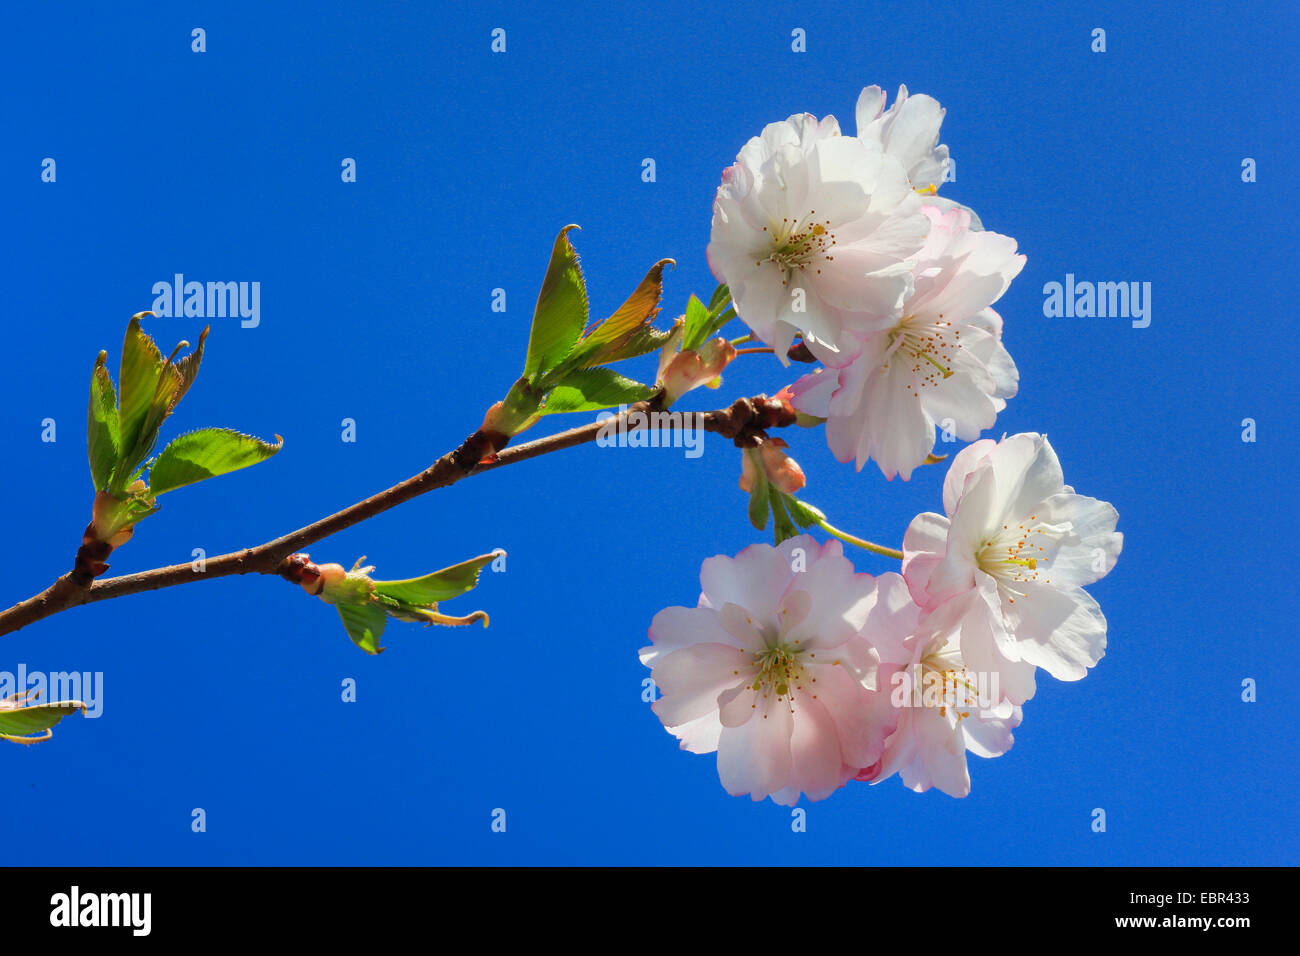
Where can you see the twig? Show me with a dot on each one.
(745, 419)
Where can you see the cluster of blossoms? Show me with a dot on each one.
(801, 673)
(844, 240)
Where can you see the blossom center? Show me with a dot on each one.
(780, 670)
(928, 347)
(1020, 553)
(796, 243)
(946, 685)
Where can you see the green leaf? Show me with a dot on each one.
(717, 322)
(142, 364)
(561, 312)
(206, 453)
(703, 324)
(804, 514)
(758, 503)
(721, 296)
(782, 526)
(604, 338)
(150, 388)
(594, 388)
(174, 380)
(697, 325)
(188, 369)
(365, 624)
(101, 425)
(439, 586)
(644, 340)
(18, 722)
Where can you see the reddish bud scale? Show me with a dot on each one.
(300, 569)
(747, 420)
(478, 447)
(776, 412)
(91, 556)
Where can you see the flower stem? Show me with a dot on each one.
(742, 340)
(859, 542)
(758, 351)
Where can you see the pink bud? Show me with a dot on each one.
(779, 469)
(690, 369)
(747, 472)
(782, 470)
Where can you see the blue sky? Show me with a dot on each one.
(376, 305)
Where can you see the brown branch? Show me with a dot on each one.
(746, 420)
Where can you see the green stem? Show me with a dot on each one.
(859, 542)
(742, 340)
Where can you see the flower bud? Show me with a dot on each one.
(691, 369)
(777, 468)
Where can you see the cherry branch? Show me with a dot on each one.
(745, 421)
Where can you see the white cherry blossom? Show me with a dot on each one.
(909, 131)
(942, 362)
(811, 232)
(1007, 562)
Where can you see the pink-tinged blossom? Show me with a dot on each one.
(946, 706)
(942, 363)
(909, 132)
(811, 230)
(768, 671)
(1006, 564)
